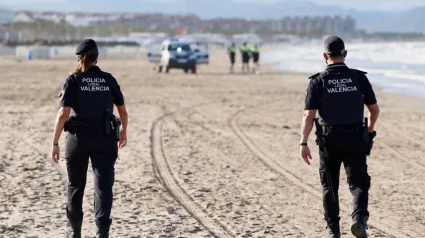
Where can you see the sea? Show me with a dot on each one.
(396, 67)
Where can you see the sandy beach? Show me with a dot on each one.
(209, 155)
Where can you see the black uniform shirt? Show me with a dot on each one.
(91, 94)
(315, 88)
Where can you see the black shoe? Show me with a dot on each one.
(102, 235)
(359, 226)
(103, 229)
(73, 229)
(332, 228)
(332, 234)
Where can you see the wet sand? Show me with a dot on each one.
(208, 154)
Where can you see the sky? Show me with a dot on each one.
(384, 5)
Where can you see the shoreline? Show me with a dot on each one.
(391, 75)
(272, 64)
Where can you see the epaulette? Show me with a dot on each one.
(314, 75)
(359, 71)
(363, 72)
(317, 74)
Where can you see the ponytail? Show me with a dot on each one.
(84, 63)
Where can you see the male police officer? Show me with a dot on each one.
(339, 94)
(256, 57)
(245, 53)
(89, 95)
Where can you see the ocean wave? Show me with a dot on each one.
(396, 67)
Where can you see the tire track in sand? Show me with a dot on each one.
(264, 206)
(286, 172)
(164, 174)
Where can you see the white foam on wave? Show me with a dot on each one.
(397, 67)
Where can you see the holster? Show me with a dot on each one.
(368, 137)
(74, 126)
(108, 121)
(116, 123)
(112, 122)
(320, 139)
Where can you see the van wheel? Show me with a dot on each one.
(159, 69)
(193, 69)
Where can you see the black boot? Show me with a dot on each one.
(73, 229)
(333, 230)
(359, 227)
(103, 229)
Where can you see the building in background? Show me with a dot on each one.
(315, 25)
(73, 26)
(6, 16)
(306, 25)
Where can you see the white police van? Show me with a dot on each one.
(178, 54)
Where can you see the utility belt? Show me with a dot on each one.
(323, 131)
(342, 128)
(107, 126)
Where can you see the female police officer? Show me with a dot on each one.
(89, 95)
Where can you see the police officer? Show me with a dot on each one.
(196, 49)
(245, 52)
(339, 94)
(232, 54)
(256, 57)
(89, 95)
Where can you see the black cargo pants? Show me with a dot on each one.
(103, 152)
(344, 145)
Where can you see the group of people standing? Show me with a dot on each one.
(246, 53)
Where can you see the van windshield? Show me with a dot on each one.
(182, 47)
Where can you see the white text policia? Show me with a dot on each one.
(94, 84)
(340, 86)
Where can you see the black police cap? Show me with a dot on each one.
(334, 46)
(87, 46)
